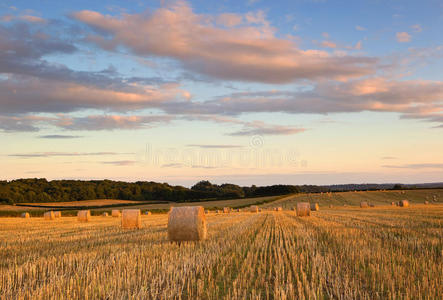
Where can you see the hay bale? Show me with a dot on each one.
(187, 223)
(392, 203)
(259, 210)
(226, 210)
(303, 209)
(206, 212)
(315, 207)
(278, 208)
(49, 215)
(330, 205)
(293, 208)
(217, 211)
(238, 210)
(426, 202)
(105, 214)
(147, 213)
(25, 215)
(131, 218)
(364, 204)
(254, 209)
(115, 213)
(403, 203)
(58, 214)
(83, 216)
(371, 205)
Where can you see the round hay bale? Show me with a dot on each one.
(330, 206)
(303, 209)
(364, 204)
(426, 202)
(217, 211)
(278, 208)
(403, 203)
(315, 207)
(131, 218)
(226, 210)
(254, 209)
(58, 214)
(115, 213)
(187, 223)
(105, 214)
(25, 215)
(371, 205)
(147, 213)
(293, 208)
(83, 216)
(49, 215)
(259, 210)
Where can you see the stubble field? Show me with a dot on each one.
(343, 253)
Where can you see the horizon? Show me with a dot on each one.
(300, 92)
(404, 185)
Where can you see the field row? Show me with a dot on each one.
(348, 254)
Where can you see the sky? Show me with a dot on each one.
(245, 92)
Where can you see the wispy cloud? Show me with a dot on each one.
(214, 146)
(111, 122)
(59, 136)
(416, 166)
(64, 154)
(261, 128)
(120, 162)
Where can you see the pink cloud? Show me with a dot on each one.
(403, 37)
(329, 44)
(47, 95)
(248, 51)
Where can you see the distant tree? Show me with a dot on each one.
(397, 187)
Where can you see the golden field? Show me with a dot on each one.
(342, 253)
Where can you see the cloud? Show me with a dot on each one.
(416, 166)
(26, 18)
(32, 19)
(120, 162)
(372, 94)
(59, 136)
(403, 37)
(261, 128)
(329, 44)
(248, 128)
(389, 157)
(30, 84)
(416, 28)
(172, 165)
(63, 154)
(360, 28)
(214, 146)
(248, 51)
(21, 123)
(111, 122)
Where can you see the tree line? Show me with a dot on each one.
(41, 190)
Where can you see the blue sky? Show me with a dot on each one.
(251, 92)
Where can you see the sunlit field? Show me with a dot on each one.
(346, 253)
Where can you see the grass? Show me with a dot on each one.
(99, 206)
(96, 202)
(342, 253)
(354, 198)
